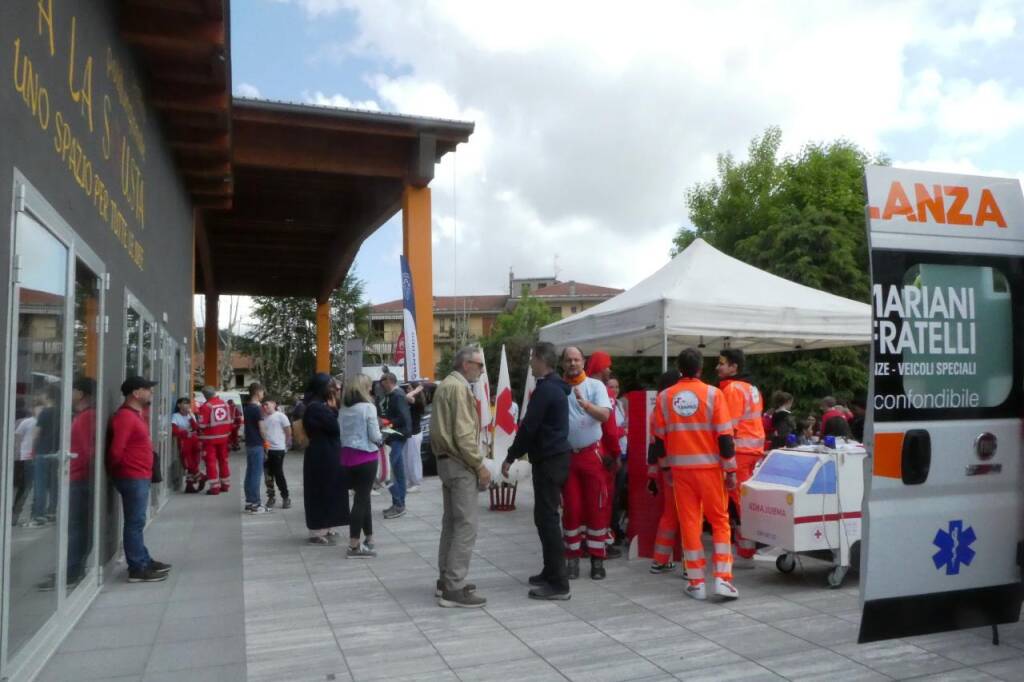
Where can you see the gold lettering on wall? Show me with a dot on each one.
(46, 15)
(83, 94)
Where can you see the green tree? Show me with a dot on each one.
(800, 217)
(517, 330)
(283, 338)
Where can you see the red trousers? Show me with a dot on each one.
(217, 469)
(745, 464)
(668, 525)
(697, 489)
(189, 449)
(585, 505)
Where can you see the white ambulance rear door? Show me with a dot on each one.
(943, 500)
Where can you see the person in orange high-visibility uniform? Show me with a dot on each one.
(694, 422)
(746, 406)
(657, 464)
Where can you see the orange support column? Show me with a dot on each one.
(323, 337)
(211, 373)
(416, 235)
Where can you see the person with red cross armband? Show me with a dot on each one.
(694, 422)
(585, 499)
(215, 426)
(746, 405)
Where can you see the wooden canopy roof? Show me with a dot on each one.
(286, 193)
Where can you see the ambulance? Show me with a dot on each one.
(943, 510)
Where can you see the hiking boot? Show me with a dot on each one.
(613, 552)
(597, 571)
(158, 566)
(461, 599)
(724, 588)
(573, 568)
(439, 588)
(549, 593)
(201, 483)
(697, 591)
(147, 575)
(538, 580)
(286, 503)
(394, 512)
(666, 567)
(360, 552)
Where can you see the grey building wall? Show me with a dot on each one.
(74, 119)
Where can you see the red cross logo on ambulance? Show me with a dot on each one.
(685, 403)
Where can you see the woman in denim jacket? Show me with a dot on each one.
(360, 443)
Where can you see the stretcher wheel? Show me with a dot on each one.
(786, 563)
(836, 576)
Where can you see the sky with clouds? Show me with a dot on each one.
(593, 118)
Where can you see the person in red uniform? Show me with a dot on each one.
(130, 461)
(599, 367)
(215, 427)
(237, 420)
(667, 535)
(745, 405)
(185, 429)
(693, 420)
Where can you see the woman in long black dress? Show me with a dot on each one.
(325, 501)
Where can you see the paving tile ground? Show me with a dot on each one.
(250, 599)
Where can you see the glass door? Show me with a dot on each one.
(39, 430)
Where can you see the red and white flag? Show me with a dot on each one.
(504, 412)
(399, 355)
(531, 383)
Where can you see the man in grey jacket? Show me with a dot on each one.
(455, 440)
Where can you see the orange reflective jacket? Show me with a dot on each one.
(689, 418)
(745, 406)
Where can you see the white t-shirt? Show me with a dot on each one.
(273, 428)
(182, 421)
(584, 430)
(24, 430)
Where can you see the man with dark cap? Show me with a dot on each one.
(130, 461)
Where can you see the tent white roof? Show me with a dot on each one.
(709, 300)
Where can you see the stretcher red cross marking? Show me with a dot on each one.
(817, 534)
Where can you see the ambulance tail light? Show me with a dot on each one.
(916, 459)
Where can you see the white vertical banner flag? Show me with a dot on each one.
(504, 412)
(531, 383)
(412, 345)
(482, 393)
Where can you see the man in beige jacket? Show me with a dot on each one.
(455, 440)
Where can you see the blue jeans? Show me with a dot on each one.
(397, 472)
(134, 500)
(253, 473)
(44, 492)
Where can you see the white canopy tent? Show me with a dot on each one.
(709, 300)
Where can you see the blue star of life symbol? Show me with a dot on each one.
(954, 547)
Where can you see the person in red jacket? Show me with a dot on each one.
(216, 424)
(185, 429)
(236, 422)
(599, 367)
(130, 461)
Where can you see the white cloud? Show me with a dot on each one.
(340, 101)
(247, 90)
(592, 119)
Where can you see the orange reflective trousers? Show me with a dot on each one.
(696, 490)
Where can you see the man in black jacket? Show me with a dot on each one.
(543, 434)
(396, 411)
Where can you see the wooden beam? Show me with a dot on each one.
(200, 141)
(173, 98)
(211, 372)
(291, 150)
(170, 31)
(194, 168)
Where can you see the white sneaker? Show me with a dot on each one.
(412, 489)
(698, 592)
(259, 509)
(743, 563)
(724, 588)
(375, 491)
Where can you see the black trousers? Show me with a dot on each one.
(360, 478)
(549, 475)
(273, 470)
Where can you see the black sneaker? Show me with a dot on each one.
(286, 503)
(148, 575)
(159, 566)
(549, 593)
(666, 567)
(394, 512)
(538, 580)
(573, 567)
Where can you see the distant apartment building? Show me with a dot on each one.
(463, 319)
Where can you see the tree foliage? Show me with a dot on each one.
(800, 217)
(283, 338)
(517, 330)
